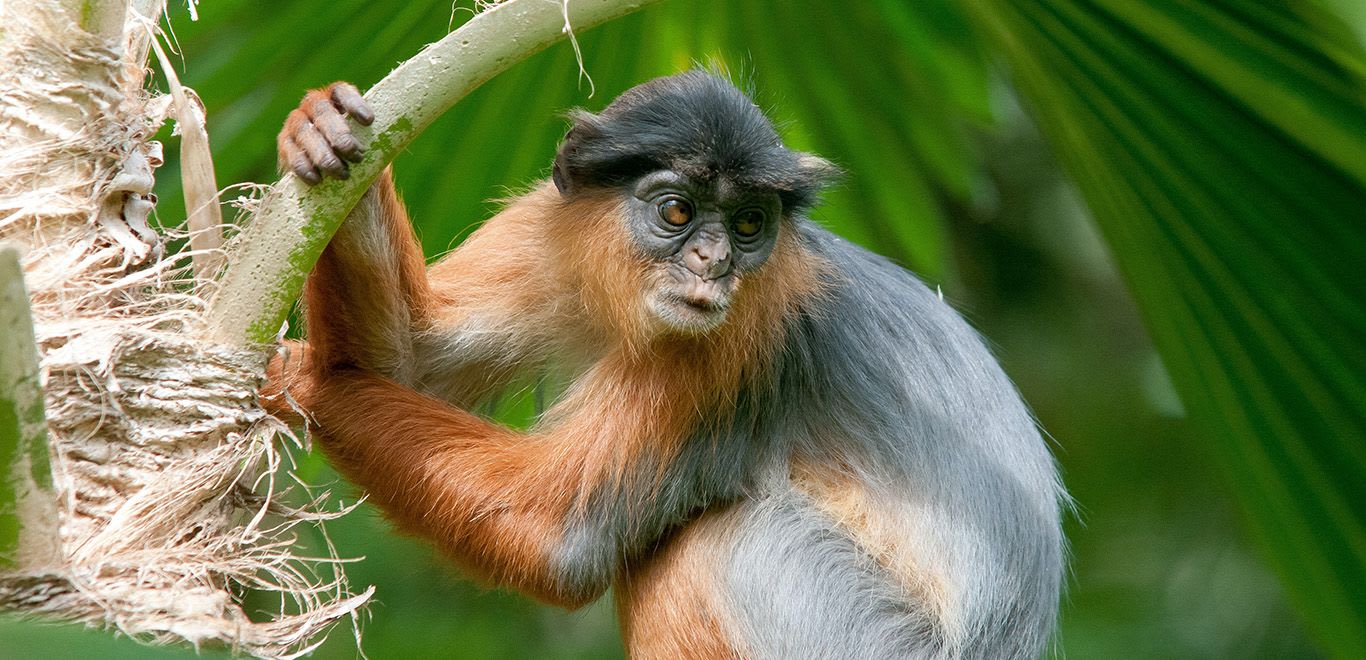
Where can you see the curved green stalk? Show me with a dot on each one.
(267, 267)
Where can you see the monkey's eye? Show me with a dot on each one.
(749, 223)
(676, 212)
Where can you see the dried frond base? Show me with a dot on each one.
(170, 504)
(61, 597)
(173, 502)
(168, 501)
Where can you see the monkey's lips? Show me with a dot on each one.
(694, 304)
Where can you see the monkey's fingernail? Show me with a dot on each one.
(362, 114)
(350, 150)
(333, 166)
(349, 98)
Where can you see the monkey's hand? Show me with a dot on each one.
(289, 383)
(316, 140)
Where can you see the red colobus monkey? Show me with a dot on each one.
(773, 444)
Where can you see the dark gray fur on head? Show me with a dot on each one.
(696, 124)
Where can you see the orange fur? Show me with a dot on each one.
(670, 606)
(843, 497)
(353, 316)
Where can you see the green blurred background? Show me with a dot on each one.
(1215, 143)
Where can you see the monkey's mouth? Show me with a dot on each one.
(694, 304)
(699, 305)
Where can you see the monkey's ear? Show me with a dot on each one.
(568, 158)
(560, 172)
(806, 177)
(817, 172)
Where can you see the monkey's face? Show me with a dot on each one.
(706, 183)
(700, 239)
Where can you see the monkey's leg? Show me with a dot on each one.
(671, 605)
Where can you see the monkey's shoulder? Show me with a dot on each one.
(867, 289)
(892, 344)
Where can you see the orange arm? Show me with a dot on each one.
(538, 513)
(368, 292)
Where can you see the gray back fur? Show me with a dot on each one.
(947, 448)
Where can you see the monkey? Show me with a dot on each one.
(772, 443)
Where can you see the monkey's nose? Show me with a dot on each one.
(708, 259)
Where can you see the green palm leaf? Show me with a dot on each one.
(1222, 148)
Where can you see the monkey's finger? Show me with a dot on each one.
(319, 151)
(298, 162)
(332, 125)
(348, 98)
(282, 139)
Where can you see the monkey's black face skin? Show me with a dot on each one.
(706, 182)
(703, 236)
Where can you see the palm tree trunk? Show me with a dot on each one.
(162, 463)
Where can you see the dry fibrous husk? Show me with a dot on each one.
(169, 480)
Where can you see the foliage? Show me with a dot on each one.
(1222, 149)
